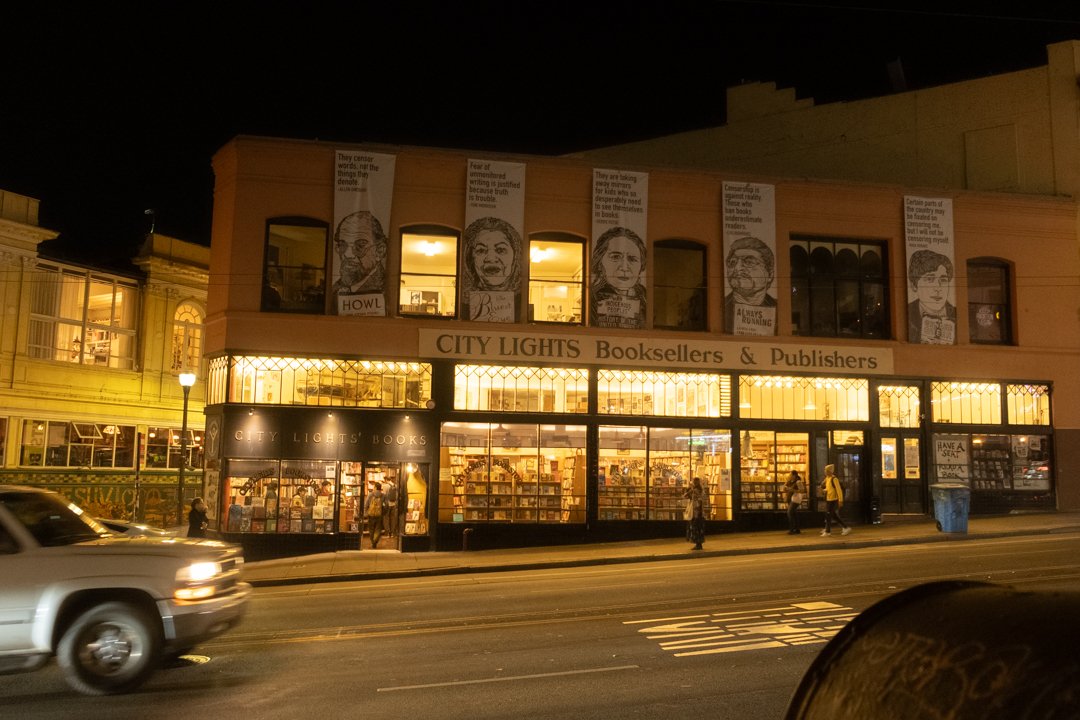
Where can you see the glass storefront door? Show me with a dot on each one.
(902, 485)
(404, 504)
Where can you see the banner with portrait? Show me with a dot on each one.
(931, 276)
(749, 258)
(363, 192)
(619, 251)
(493, 255)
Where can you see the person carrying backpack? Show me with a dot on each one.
(373, 511)
(834, 500)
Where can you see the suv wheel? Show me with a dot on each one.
(110, 648)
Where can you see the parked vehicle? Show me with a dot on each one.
(128, 529)
(110, 608)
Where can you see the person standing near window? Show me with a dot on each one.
(197, 520)
(834, 500)
(696, 506)
(794, 496)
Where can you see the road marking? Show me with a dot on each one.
(505, 679)
(751, 629)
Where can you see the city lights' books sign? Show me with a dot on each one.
(517, 348)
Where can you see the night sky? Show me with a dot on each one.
(107, 109)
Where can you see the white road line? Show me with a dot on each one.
(505, 679)
(656, 620)
(755, 646)
(710, 631)
(762, 610)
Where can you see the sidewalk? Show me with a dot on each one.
(386, 564)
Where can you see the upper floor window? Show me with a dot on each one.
(163, 448)
(989, 316)
(187, 337)
(82, 317)
(53, 443)
(556, 277)
(294, 274)
(429, 263)
(839, 288)
(679, 285)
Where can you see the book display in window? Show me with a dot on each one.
(351, 497)
(669, 478)
(621, 487)
(758, 479)
(712, 462)
(573, 489)
(991, 462)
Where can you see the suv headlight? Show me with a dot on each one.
(196, 581)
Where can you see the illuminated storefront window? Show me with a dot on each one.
(55, 443)
(512, 473)
(993, 463)
(339, 383)
(800, 398)
(966, 403)
(632, 392)
(521, 389)
(644, 473)
(217, 380)
(1028, 404)
(768, 459)
(898, 407)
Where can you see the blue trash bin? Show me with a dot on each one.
(951, 503)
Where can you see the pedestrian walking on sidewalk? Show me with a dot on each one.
(697, 504)
(793, 493)
(197, 520)
(834, 500)
(373, 511)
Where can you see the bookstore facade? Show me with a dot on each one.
(554, 453)
(531, 351)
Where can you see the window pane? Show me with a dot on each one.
(295, 269)
(621, 475)
(848, 308)
(801, 398)
(1029, 404)
(988, 302)
(466, 447)
(428, 274)
(839, 289)
(100, 308)
(521, 389)
(898, 407)
(670, 472)
(562, 455)
(631, 392)
(678, 288)
(966, 403)
(555, 279)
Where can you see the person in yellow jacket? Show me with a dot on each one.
(834, 500)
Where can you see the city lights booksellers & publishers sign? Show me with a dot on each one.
(517, 348)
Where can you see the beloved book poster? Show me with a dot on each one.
(492, 257)
(749, 258)
(363, 192)
(619, 254)
(931, 286)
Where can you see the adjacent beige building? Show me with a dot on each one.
(90, 403)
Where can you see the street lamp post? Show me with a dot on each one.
(186, 381)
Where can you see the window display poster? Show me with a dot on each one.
(363, 191)
(928, 237)
(211, 482)
(951, 455)
(1031, 462)
(749, 258)
(493, 259)
(619, 255)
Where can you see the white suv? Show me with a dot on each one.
(110, 608)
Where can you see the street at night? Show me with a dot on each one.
(722, 637)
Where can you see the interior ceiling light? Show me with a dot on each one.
(430, 248)
(536, 254)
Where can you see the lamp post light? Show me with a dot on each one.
(186, 381)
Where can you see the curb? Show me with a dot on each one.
(688, 555)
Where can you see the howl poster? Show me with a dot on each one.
(363, 191)
(492, 260)
(931, 277)
(619, 255)
(749, 258)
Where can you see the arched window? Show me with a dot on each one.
(187, 337)
(556, 277)
(429, 264)
(678, 285)
(294, 268)
(989, 314)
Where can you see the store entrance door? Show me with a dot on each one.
(385, 529)
(902, 487)
(847, 462)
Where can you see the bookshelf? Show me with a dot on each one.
(621, 486)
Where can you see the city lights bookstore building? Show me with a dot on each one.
(497, 383)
